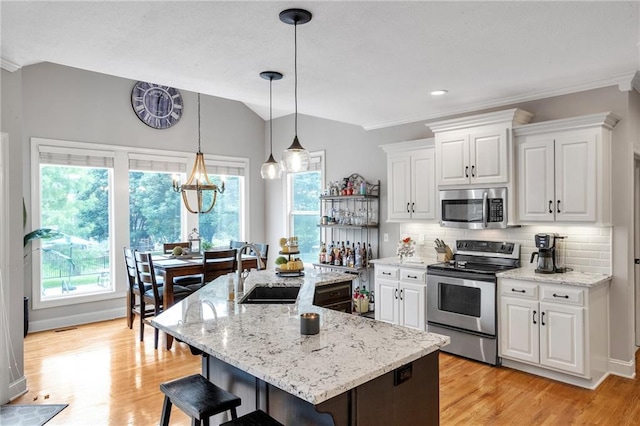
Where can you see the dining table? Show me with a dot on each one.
(170, 267)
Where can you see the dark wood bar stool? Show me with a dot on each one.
(254, 418)
(198, 398)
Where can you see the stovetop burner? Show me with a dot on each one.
(480, 268)
(481, 257)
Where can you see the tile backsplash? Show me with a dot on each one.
(587, 249)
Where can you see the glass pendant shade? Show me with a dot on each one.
(271, 169)
(295, 158)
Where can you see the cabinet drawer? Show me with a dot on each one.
(562, 294)
(332, 293)
(388, 272)
(413, 275)
(515, 288)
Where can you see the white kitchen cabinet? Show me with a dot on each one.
(401, 296)
(564, 170)
(476, 150)
(411, 180)
(558, 328)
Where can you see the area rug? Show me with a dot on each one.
(29, 415)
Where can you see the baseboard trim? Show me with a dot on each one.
(622, 368)
(72, 320)
(17, 388)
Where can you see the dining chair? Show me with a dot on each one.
(188, 280)
(237, 244)
(264, 250)
(154, 295)
(218, 263)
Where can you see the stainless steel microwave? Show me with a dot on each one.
(474, 208)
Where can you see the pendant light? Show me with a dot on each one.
(270, 169)
(295, 158)
(198, 181)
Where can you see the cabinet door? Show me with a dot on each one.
(575, 172)
(536, 200)
(399, 193)
(488, 152)
(423, 185)
(519, 329)
(562, 337)
(386, 301)
(452, 151)
(413, 302)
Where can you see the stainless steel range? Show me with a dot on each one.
(461, 297)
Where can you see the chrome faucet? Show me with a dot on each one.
(240, 273)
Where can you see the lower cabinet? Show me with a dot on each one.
(401, 296)
(336, 296)
(556, 327)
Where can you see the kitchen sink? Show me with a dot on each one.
(265, 294)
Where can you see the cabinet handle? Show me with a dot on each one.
(563, 296)
(518, 291)
(542, 319)
(466, 171)
(534, 317)
(401, 294)
(396, 293)
(559, 207)
(386, 273)
(413, 207)
(408, 208)
(550, 206)
(473, 171)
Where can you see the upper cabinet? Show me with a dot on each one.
(564, 170)
(476, 150)
(411, 180)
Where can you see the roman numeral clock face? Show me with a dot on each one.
(156, 106)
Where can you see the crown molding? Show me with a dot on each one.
(607, 120)
(515, 116)
(631, 79)
(8, 65)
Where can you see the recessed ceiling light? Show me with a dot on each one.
(439, 92)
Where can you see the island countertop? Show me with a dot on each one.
(265, 340)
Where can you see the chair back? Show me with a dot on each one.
(167, 248)
(264, 250)
(218, 263)
(237, 244)
(132, 274)
(146, 273)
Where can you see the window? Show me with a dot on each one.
(75, 201)
(303, 206)
(101, 198)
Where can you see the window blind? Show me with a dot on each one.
(75, 157)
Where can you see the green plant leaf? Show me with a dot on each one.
(41, 233)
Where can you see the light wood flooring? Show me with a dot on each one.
(108, 377)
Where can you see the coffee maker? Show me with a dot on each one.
(548, 249)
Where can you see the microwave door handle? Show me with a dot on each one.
(485, 205)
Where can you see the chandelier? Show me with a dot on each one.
(198, 181)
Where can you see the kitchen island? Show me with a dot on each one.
(355, 371)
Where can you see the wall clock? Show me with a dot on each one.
(156, 106)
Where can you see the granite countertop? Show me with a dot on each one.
(573, 278)
(265, 340)
(408, 262)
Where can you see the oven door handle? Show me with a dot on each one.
(485, 208)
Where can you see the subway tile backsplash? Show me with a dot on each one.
(587, 249)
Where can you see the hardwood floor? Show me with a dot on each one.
(108, 377)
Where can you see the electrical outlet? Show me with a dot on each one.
(386, 238)
(421, 239)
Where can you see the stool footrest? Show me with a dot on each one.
(255, 418)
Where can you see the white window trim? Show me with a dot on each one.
(118, 202)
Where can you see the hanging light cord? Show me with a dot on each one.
(295, 70)
(270, 116)
(199, 122)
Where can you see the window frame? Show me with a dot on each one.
(119, 206)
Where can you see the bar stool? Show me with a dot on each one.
(254, 418)
(198, 398)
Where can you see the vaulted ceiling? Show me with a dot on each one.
(372, 64)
